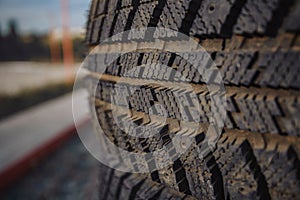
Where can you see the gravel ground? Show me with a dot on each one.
(69, 173)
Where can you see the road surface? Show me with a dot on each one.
(69, 173)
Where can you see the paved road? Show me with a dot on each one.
(69, 173)
(16, 76)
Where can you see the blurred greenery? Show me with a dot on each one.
(11, 104)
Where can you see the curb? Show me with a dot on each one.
(20, 167)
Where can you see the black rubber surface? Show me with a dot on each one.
(255, 45)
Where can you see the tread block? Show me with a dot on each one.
(106, 27)
(279, 176)
(101, 6)
(255, 16)
(173, 13)
(112, 5)
(211, 17)
(292, 22)
(130, 187)
(198, 180)
(148, 190)
(235, 67)
(96, 30)
(143, 15)
(281, 69)
(122, 19)
(237, 163)
(272, 69)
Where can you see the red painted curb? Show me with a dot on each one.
(19, 168)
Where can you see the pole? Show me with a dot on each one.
(67, 40)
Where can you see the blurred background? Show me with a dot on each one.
(41, 44)
(41, 47)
